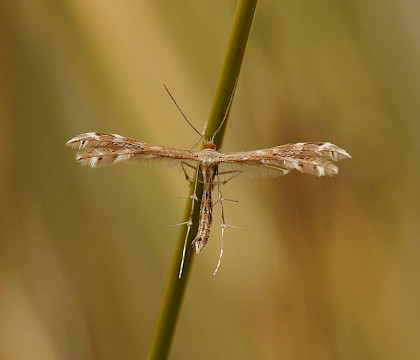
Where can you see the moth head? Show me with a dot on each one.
(209, 144)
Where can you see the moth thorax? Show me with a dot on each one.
(208, 157)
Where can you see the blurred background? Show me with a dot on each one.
(326, 268)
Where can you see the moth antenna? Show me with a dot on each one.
(182, 113)
(227, 111)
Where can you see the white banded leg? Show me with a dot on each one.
(189, 223)
(223, 224)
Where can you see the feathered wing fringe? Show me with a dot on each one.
(99, 149)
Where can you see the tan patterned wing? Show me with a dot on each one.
(309, 158)
(98, 149)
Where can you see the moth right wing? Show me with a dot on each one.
(98, 149)
(309, 158)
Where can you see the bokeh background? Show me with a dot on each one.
(326, 268)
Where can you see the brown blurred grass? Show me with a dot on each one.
(326, 269)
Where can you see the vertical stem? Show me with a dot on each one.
(231, 67)
(175, 289)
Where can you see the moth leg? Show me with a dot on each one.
(185, 164)
(198, 141)
(187, 177)
(189, 222)
(224, 199)
(223, 225)
(234, 172)
(223, 222)
(223, 182)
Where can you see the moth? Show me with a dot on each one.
(315, 158)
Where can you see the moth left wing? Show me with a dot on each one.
(309, 158)
(98, 149)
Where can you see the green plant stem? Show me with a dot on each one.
(172, 301)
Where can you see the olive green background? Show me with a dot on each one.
(326, 268)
